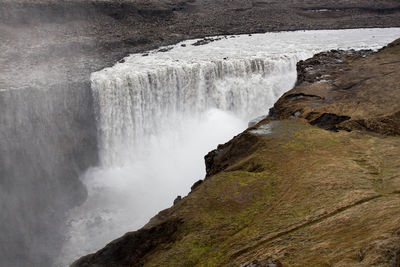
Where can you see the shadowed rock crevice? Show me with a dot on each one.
(301, 95)
(329, 121)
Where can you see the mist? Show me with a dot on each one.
(83, 158)
(159, 113)
(123, 198)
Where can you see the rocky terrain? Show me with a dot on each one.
(326, 95)
(48, 50)
(317, 183)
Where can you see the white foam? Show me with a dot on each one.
(159, 114)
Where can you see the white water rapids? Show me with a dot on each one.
(159, 113)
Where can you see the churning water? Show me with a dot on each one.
(159, 113)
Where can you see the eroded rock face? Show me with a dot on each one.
(47, 124)
(132, 248)
(347, 90)
(292, 193)
(318, 68)
(223, 157)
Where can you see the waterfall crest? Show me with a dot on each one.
(160, 112)
(136, 105)
(244, 75)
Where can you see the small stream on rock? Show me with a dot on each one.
(160, 112)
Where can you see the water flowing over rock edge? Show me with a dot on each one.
(253, 166)
(70, 39)
(123, 80)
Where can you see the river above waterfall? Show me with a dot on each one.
(159, 113)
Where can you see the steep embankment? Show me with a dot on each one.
(287, 192)
(48, 136)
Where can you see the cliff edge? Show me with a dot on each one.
(317, 183)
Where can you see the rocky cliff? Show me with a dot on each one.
(316, 183)
(48, 50)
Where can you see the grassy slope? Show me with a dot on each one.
(300, 194)
(304, 195)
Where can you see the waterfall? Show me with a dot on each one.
(159, 113)
(136, 105)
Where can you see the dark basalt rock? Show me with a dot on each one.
(203, 41)
(196, 184)
(50, 139)
(206, 41)
(226, 155)
(335, 90)
(165, 49)
(318, 67)
(330, 105)
(130, 249)
(177, 200)
(329, 121)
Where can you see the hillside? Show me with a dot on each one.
(315, 184)
(49, 48)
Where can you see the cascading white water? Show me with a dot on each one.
(137, 105)
(158, 114)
